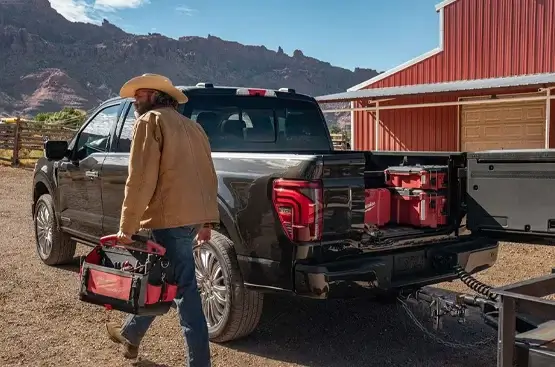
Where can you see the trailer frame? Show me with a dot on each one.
(534, 347)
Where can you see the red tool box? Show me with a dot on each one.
(418, 208)
(377, 208)
(417, 177)
(134, 278)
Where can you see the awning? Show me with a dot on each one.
(540, 80)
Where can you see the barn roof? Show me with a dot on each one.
(456, 86)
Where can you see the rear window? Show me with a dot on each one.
(259, 124)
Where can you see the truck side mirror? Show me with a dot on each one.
(56, 149)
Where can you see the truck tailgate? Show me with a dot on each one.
(343, 180)
(509, 194)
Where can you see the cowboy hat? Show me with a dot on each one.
(152, 81)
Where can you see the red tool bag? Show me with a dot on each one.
(417, 177)
(134, 278)
(418, 208)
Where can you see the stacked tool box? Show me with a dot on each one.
(418, 195)
(413, 196)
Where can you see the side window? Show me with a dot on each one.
(126, 135)
(96, 135)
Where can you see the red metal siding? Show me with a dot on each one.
(410, 129)
(486, 39)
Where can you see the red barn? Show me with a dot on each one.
(489, 85)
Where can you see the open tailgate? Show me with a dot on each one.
(511, 195)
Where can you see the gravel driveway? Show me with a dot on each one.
(44, 324)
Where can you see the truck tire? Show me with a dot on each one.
(53, 246)
(231, 310)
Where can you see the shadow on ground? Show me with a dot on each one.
(74, 265)
(363, 333)
(147, 363)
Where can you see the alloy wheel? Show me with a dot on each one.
(44, 231)
(213, 287)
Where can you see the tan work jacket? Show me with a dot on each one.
(172, 181)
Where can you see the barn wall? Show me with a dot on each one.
(487, 39)
(410, 129)
(425, 129)
(482, 39)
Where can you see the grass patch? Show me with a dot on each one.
(27, 157)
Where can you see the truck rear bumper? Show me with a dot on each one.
(403, 269)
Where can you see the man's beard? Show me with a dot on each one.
(143, 107)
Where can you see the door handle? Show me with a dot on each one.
(91, 174)
(66, 166)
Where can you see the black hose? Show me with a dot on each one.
(475, 284)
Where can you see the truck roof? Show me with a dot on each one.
(209, 88)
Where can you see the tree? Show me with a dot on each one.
(68, 117)
(335, 129)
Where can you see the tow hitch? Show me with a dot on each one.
(439, 307)
(523, 318)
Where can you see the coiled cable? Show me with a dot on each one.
(475, 284)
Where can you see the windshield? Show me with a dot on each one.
(259, 124)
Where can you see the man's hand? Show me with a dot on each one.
(203, 235)
(124, 238)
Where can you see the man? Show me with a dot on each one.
(171, 189)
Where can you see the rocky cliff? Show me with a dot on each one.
(49, 62)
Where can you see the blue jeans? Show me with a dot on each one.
(178, 243)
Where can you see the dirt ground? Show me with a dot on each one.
(44, 324)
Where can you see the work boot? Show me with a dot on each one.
(130, 351)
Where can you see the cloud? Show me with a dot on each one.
(185, 10)
(73, 10)
(81, 11)
(112, 5)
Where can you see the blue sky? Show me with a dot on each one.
(377, 34)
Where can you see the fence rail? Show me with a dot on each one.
(20, 137)
(339, 141)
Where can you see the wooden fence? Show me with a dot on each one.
(20, 140)
(25, 140)
(340, 141)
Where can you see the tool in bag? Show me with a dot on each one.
(135, 278)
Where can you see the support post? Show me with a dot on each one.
(547, 117)
(352, 126)
(16, 141)
(506, 333)
(377, 127)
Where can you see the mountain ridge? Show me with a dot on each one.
(50, 63)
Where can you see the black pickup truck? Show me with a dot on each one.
(292, 209)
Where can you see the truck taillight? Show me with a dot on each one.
(299, 206)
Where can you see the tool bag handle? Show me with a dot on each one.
(151, 246)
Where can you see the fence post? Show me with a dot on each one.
(16, 144)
